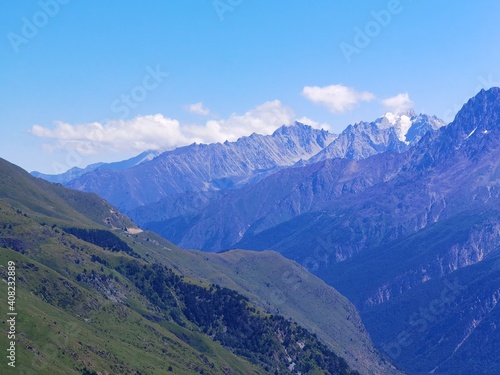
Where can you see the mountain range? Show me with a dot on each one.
(224, 166)
(190, 219)
(201, 167)
(390, 232)
(401, 215)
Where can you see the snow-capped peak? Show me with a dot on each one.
(401, 122)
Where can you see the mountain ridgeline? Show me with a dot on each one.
(219, 167)
(201, 167)
(391, 132)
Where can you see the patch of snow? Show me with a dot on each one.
(400, 122)
(391, 117)
(405, 124)
(472, 132)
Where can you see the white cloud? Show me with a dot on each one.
(399, 103)
(263, 119)
(337, 98)
(139, 134)
(198, 108)
(157, 132)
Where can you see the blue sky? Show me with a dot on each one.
(87, 81)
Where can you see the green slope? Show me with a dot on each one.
(65, 326)
(281, 286)
(55, 203)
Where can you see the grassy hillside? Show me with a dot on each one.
(54, 203)
(86, 303)
(283, 287)
(65, 326)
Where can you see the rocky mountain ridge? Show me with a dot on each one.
(392, 132)
(201, 167)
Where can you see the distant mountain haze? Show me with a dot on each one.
(76, 172)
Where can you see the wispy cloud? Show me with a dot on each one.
(157, 132)
(198, 109)
(139, 134)
(263, 119)
(337, 98)
(398, 103)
